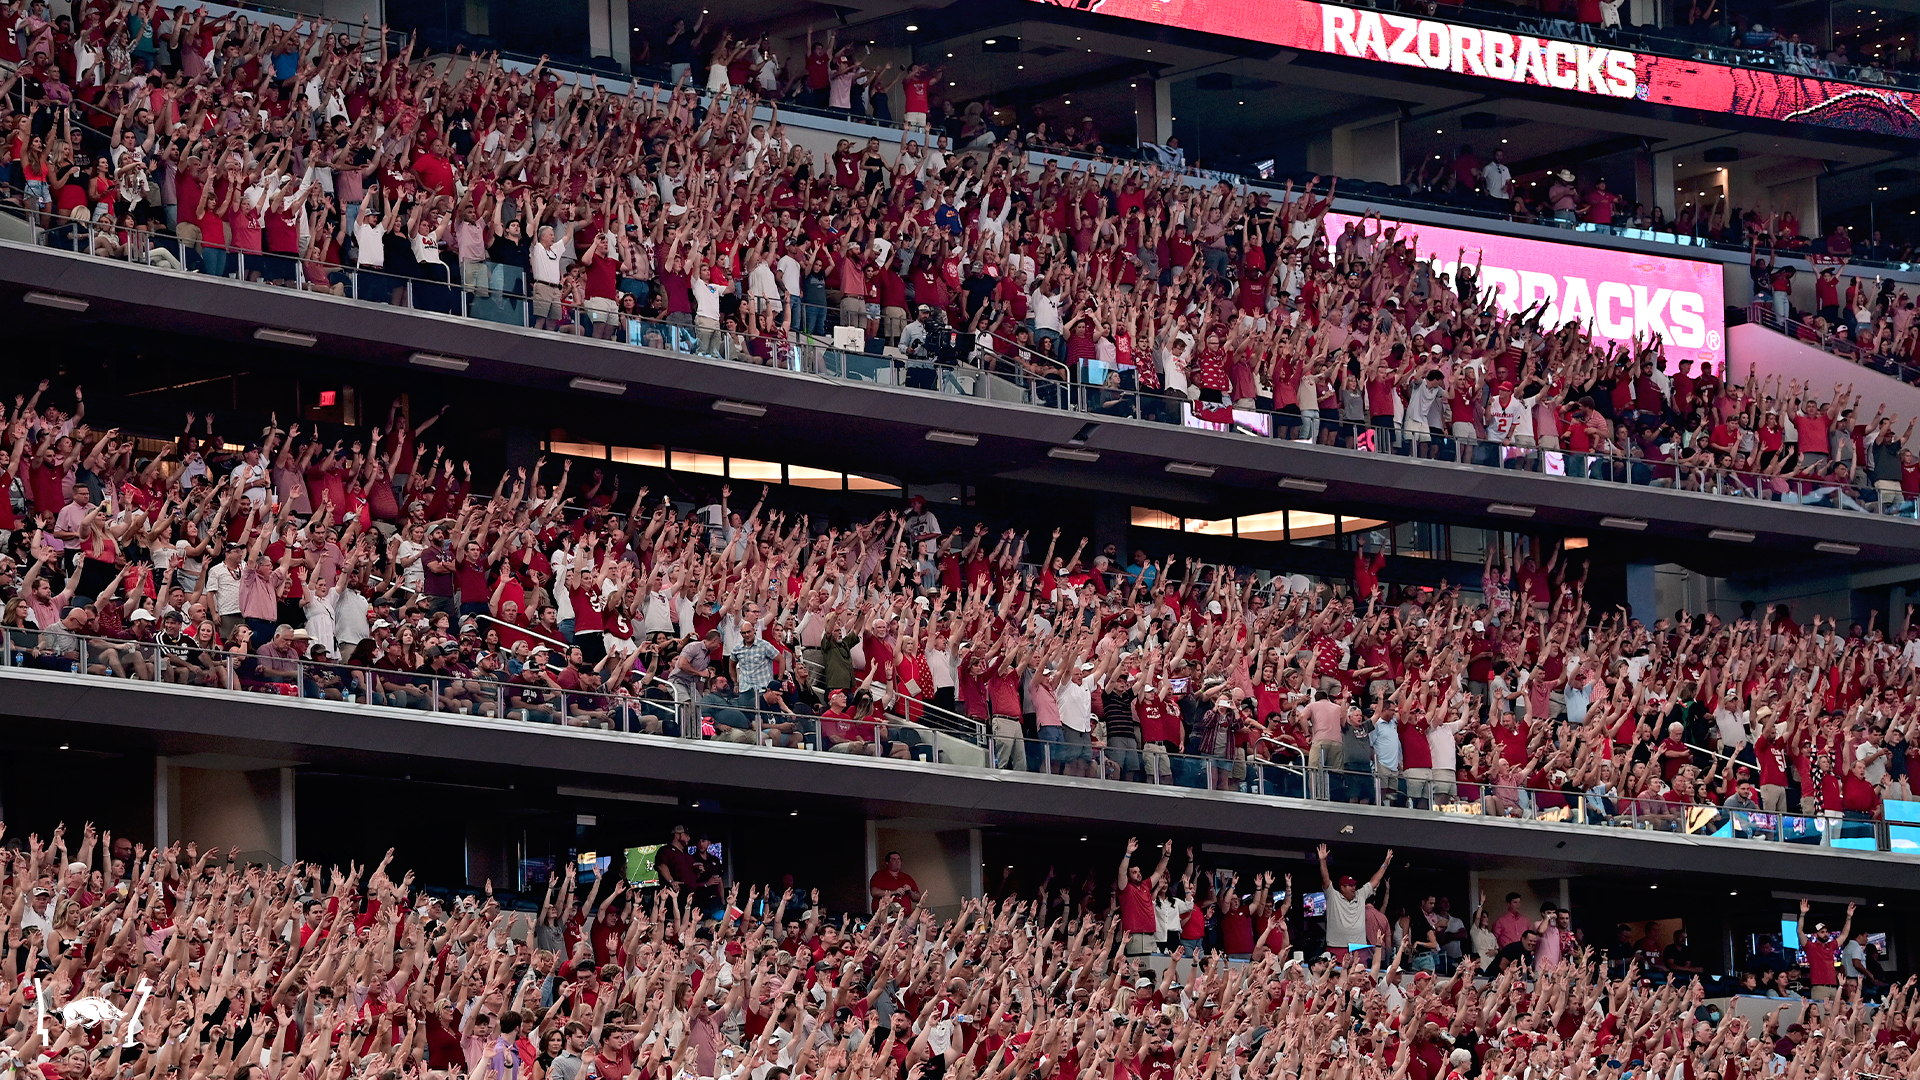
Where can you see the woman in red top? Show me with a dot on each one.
(1274, 936)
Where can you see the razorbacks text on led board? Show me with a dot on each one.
(1469, 50)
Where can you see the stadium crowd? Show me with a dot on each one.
(373, 566)
(313, 158)
(126, 961)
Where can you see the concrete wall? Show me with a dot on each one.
(940, 860)
(1533, 893)
(1829, 595)
(229, 808)
(1369, 150)
(1768, 352)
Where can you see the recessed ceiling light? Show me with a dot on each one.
(912, 28)
(60, 303)
(598, 386)
(284, 337)
(991, 41)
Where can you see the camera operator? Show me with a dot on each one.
(920, 342)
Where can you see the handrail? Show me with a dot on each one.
(621, 713)
(523, 631)
(1763, 314)
(1289, 747)
(959, 723)
(808, 355)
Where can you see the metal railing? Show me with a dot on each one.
(978, 370)
(661, 709)
(1269, 767)
(1763, 313)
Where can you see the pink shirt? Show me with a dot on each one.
(1323, 719)
(1508, 928)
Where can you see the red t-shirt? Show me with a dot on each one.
(915, 92)
(884, 878)
(1136, 910)
(1820, 954)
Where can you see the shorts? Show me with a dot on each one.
(916, 120)
(1074, 745)
(1141, 945)
(546, 301)
(601, 309)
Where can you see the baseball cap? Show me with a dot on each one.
(1347, 881)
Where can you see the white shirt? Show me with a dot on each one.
(1347, 919)
(245, 475)
(350, 620)
(1440, 742)
(1505, 422)
(1076, 705)
(790, 275)
(706, 299)
(1045, 310)
(225, 586)
(371, 240)
(761, 282)
(322, 613)
(1877, 771)
(1498, 178)
(545, 262)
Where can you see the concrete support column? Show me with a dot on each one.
(289, 833)
(1152, 110)
(1112, 522)
(163, 803)
(1642, 594)
(249, 809)
(1802, 196)
(976, 864)
(1653, 181)
(609, 33)
(1367, 150)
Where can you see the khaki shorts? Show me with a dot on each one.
(546, 301)
(189, 234)
(601, 309)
